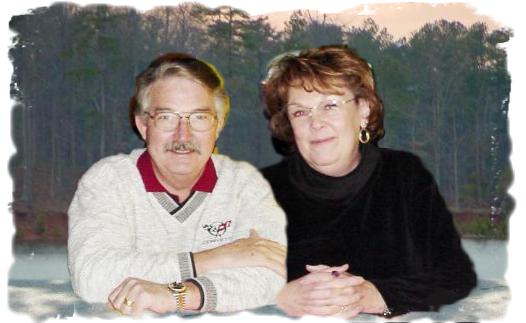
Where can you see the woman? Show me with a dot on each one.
(368, 231)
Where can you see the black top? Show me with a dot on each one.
(386, 219)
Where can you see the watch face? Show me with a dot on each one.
(178, 290)
(177, 287)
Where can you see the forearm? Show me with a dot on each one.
(102, 253)
(97, 267)
(253, 251)
(95, 275)
(240, 288)
(438, 271)
(205, 261)
(425, 291)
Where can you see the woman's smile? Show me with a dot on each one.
(318, 142)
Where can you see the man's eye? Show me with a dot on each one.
(201, 116)
(164, 117)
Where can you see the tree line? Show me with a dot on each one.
(445, 90)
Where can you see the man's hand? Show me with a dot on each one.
(134, 296)
(253, 251)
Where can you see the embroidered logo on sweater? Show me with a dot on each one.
(217, 229)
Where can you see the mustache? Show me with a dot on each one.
(182, 145)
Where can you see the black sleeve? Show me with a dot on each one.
(444, 273)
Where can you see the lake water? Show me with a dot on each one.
(489, 256)
(39, 286)
(46, 262)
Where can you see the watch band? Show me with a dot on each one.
(178, 290)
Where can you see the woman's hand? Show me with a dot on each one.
(247, 252)
(330, 291)
(337, 292)
(291, 299)
(299, 298)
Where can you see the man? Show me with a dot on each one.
(173, 227)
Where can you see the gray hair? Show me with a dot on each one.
(180, 65)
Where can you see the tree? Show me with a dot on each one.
(303, 30)
(445, 90)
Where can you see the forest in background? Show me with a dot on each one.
(445, 90)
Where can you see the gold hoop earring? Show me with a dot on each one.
(364, 136)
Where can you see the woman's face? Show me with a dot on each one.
(326, 128)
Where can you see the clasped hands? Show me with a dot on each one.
(330, 291)
(134, 296)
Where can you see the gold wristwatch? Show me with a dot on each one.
(178, 290)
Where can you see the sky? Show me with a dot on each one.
(507, 12)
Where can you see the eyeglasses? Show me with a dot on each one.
(169, 120)
(328, 109)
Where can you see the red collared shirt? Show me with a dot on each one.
(205, 183)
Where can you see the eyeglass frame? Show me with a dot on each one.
(181, 115)
(338, 106)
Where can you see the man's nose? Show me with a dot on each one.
(183, 129)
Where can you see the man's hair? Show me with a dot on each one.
(179, 65)
(326, 70)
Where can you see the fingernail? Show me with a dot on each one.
(334, 273)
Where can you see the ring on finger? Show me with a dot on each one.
(128, 302)
(116, 310)
(343, 308)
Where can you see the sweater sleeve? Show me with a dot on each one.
(249, 287)
(446, 274)
(101, 252)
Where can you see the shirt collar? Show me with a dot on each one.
(205, 183)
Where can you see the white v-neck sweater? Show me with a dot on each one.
(118, 230)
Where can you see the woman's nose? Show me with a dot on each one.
(316, 119)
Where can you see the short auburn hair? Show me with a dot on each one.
(326, 69)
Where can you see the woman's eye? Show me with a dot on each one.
(299, 113)
(330, 106)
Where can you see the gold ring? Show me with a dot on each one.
(128, 302)
(116, 310)
(343, 308)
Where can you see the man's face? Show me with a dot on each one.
(170, 158)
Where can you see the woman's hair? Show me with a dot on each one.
(326, 69)
(179, 65)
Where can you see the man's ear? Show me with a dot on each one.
(364, 110)
(142, 125)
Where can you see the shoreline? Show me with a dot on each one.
(52, 228)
